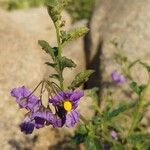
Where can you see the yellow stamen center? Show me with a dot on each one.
(67, 105)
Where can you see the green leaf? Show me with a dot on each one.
(80, 134)
(80, 78)
(146, 66)
(67, 63)
(82, 129)
(65, 2)
(137, 89)
(92, 143)
(55, 8)
(114, 113)
(118, 147)
(74, 34)
(139, 137)
(51, 3)
(54, 76)
(51, 64)
(133, 63)
(47, 48)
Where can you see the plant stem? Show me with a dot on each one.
(84, 119)
(58, 40)
(61, 80)
(139, 108)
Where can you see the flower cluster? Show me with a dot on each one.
(65, 104)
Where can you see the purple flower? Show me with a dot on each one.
(37, 120)
(118, 78)
(65, 104)
(114, 135)
(38, 116)
(25, 99)
(27, 126)
(72, 118)
(43, 117)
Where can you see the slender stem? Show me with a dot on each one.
(139, 108)
(35, 89)
(84, 120)
(59, 55)
(58, 40)
(41, 92)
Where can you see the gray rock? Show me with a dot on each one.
(125, 22)
(128, 24)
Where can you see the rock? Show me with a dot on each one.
(37, 22)
(127, 23)
(22, 63)
(121, 21)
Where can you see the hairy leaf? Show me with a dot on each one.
(52, 3)
(51, 64)
(92, 143)
(146, 66)
(65, 62)
(74, 34)
(55, 8)
(118, 147)
(82, 129)
(47, 48)
(114, 113)
(80, 134)
(80, 78)
(54, 76)
(137, 89)
(139, 137)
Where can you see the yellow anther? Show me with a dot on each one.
(67, 105)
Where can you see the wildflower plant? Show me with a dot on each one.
(61, 98)
(116, 127)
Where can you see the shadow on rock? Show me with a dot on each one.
(26, 144)
(64, 144)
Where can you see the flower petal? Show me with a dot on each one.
(43, 117)
(57, 98)
(57, 122)
(72, 118)
(20, 92)
(27, 126)
(24, 100)
(76, 95)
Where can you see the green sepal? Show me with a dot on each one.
(80, 78)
